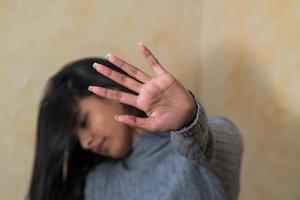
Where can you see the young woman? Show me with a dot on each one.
(114, 132)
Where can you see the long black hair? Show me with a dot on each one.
(60, 164)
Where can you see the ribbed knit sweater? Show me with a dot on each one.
(200, 161)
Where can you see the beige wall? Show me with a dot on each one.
(241, 58)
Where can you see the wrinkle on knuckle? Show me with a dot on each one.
(147, 53)
(123, 79)
(109, 72)
(121, 63)
(119, 96)
(104, 92)
(134, 71)
(138, 86)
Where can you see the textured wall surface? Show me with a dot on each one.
(240, 57)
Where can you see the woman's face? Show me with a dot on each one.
(99, 132)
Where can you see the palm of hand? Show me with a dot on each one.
(168, 105)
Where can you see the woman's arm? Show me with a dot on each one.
(215, 141)
(169, 106)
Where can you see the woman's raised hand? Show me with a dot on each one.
(168, 105)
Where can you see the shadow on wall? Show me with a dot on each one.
(236, 84)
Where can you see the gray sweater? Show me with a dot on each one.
(200, 161)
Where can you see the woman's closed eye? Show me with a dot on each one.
(83, 123)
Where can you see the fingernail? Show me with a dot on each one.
(116, 117)
(95, 65)
(90, 88)
(98, 67)
(108, 55)
(140, 43)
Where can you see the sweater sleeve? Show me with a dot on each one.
(216, 141)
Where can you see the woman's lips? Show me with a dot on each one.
(101, 148)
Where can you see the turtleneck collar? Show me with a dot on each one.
(145, 146)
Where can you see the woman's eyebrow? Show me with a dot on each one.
(84, 115)
(81, 116)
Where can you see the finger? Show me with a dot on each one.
(153, 62)
(119, 96)
(138, 122)
(119, 77)
(129, 69)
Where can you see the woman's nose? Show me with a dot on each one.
(87, 142)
